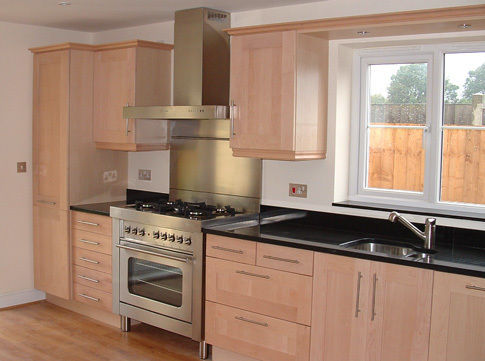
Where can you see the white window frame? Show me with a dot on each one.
(434, 56)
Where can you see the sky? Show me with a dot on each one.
(457, 67)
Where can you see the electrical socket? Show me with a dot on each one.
(145, 174)
(110, 176)
(298, 190)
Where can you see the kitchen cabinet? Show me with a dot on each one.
(367, 310)
(67, 168)
(279, 95)
(458, 319)
(135, 73)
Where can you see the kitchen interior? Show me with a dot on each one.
(189, 181)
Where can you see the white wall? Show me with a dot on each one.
(16, 263)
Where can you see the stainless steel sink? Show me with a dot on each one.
(390, 248)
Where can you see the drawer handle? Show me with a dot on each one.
(88, 223)
(88, 279)
(264, 324)
(295, 261)
(89, 297)
(374, 288)
(46, 202)
(252, 274)
(88, 260)
(357, 300)
(89, 242)
(476, 288)
(228, 249)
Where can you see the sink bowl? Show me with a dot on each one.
(390, 248)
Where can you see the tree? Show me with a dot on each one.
(475, 83)
(377, 99)
(451, 92)
(408, 85)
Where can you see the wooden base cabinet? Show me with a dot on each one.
(369, 311)
(279, 95)
(458, 321)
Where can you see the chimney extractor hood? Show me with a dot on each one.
(201, 69)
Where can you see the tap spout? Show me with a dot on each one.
(428, 236)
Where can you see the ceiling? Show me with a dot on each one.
(98, 15)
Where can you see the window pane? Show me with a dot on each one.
(463, 158)
(396, 122)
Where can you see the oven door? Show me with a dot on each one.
(156, 280)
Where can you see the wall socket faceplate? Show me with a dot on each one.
(145, 174)
(298, 190)
(110, 176)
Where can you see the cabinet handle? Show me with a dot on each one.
(357, 301)
(89, 242)
(88, 223)
(88, 260)
(264, 324)
(88, 279)
(231, 112)
(476, 288)
(46, 202)
(295, 261)
(228, 249)
(374, 287)
(89, 297)
(127, 121)
(252, 274)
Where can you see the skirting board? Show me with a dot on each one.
(20, 298)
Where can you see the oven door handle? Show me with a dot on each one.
(185, 259)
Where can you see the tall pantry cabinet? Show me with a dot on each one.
(67, 168)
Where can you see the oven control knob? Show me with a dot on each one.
(163, 236)
(171, 237)
(188, 241)
(134, 230)
(127, 229)
(180, 239)
(141, 232)
(156, 234)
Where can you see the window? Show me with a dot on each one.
(420, 127)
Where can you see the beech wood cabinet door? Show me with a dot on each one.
(51, 129)
(340, 308)
(399, 312)
(458, 320)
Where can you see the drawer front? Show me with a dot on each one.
(232, 249)
(283, 295)
(92, 260)
(250, 334)
(93, 297)
(91, 278)
(91, 241)
(285, 258)
(91, 222)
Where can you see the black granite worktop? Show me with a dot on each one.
(97, 208)
(458, 250)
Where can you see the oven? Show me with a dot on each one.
(155, 279)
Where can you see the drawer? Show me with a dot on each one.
(91, 241)
(91, 222)
(285, 258)
(93, 297)
(253, 335)
(279, 294)
(91, 278)
(233, 249)
(92, 260)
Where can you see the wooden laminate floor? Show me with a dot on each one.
(44, 332)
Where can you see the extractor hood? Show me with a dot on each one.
(201, 69)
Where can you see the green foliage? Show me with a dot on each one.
(475, 83)
(451, 92)
(408, 85)
(377, 99)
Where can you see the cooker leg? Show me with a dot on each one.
(203, 350)
(125, 324)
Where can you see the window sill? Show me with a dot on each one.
(412, 210)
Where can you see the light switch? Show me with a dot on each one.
(21, 167)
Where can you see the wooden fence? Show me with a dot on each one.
(397, 161)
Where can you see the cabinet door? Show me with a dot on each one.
(50, 129)
(263, 91)
(340, 308)
(51, 251)
(399, 313)
(458, 320)
(114, 88)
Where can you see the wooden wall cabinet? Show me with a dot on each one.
(369, 311)
(279, 95)
(136, 73)
(458, 320)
